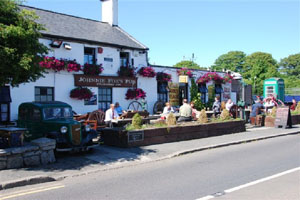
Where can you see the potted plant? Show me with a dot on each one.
(60, 64)
(147, 72)
(92, 69)
(127, 71)
(136, 94)
(185, 71)
(163, 77)
(81, 93)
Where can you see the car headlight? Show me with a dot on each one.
(63, 129)
(87, 128)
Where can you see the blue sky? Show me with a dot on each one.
(176, 29)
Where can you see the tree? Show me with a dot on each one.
(20, 50)
(188, 64)
(258, 67)
(291, 65)
(233, 60)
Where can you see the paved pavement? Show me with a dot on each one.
(188, 177)
(105, 157)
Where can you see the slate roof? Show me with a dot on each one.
(65, 26)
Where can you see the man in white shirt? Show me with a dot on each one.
(111, 114)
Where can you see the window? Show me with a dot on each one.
(105, 98)
(5, 100)
(89, 55)
(202, 90)
(218, 91)
(270, 90)
(4, 112)
(124, 59)
(162, 91)
(36, 114)
(44, 94)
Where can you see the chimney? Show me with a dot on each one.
(110, 12)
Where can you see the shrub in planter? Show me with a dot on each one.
(273, 112)
(225, 115)
(147, 72)
(203, 117)
(171, 120)
(135, 94)
(137, 121)
(92, 69)
(81, 93)
(127, 71)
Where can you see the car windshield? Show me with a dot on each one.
(55, 113)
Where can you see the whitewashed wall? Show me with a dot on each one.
(63, 81)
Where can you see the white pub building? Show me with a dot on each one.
(103, 43)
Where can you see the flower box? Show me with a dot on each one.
(147, 72)
(125, 71)
(185, 71)
(81, 93)
(92, 69)
(135, 94)
(120, 137)
(163, 77)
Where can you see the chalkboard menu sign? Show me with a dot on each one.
(134, 136)
(283, 117)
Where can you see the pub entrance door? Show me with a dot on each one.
(183, 92)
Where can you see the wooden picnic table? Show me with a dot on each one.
(12, 136)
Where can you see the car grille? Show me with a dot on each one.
(76, 139)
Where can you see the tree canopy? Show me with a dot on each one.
(291, 65)
(233, 61)
(20, 50)
(258, 67)
(187, 64)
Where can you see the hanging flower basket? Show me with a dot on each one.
(147, 72)
(81, 93)
(163, 77)
(60, 64)
(210, 76)
(185, 71)
(227, 78)
(135, 94)
(127, 71)
(92, 69)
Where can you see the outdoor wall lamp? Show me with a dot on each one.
(67, 46)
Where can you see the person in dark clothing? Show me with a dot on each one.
(256, 108)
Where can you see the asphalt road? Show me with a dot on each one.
(191, 176)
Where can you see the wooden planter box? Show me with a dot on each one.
(122, 138)
(295, 119)
(269, 121)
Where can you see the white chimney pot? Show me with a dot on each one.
(110, 12)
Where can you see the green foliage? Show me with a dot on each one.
(198, 103)
(233, 60)
(291, 65)
(258, 67)
(188, 64)
(20, 50)
(194, 89)
(171, 120)
(225, 115)
(273, 112)
(203, 117)
(137, 121)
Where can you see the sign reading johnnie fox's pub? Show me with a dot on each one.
(108, 81)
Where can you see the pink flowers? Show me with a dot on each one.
(213, 76)
(135, 94)
(81, 93)
(163, 77)
(126, 71)
(185, 71)
(147, 72)
(90, 69)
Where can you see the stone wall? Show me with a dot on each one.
(37, 152)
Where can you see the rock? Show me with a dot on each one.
(2, 164)
(51, 156)
(47, 157)
(44, 142)
(32, 160)
(47, 148)
(15, 161)
(3, 158)
(32, 153)
(5, 152)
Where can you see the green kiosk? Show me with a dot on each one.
(275, 87)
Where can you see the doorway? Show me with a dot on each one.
(183, 92)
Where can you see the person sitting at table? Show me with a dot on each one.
(118, 108)
(216, 106)
(229, 104)
(168, 109)
(110, 114)
(256, 108)
(185, 112)
(269, 105)
(195, 112)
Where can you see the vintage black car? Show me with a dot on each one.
(55, 120)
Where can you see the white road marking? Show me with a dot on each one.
(252, 183)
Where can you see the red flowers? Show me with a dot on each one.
(135, 94)
(61, 64)
(163, 77)
(81, 93)
(185, 71)
(126, 71)
(213, 76)
(90, 69)
(147, 72)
